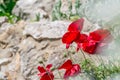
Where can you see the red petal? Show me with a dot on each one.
(76, 67)
(47, 77)
(69, 37)
(78, 46)
(67, 74)
(67, 46)
(73, 71)
(99, 34)
(82, 38)
(90, 47)
(48, 66)
(41, 69)
(67, 65)
(76, 25)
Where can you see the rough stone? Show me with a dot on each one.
(2, 75)
(3, 20)
(43, 30)
(30, 44)
(4, 61)
(30, 10)
(5, 53)
(5, 26)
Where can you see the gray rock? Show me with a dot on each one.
(27, 52)
(2, 76)
(5, 53)
(57, 56)
(43, 30)
(29, 56)
(4, 61)
(31, 9)
(3, 20)
(5, 26)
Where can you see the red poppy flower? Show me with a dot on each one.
(98, 38)
(46, 74)
(89, 44)
(73, 32)
(71, 69)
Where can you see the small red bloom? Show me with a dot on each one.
(71, 69)
(98, 38)
(46, 74)
(73, 32)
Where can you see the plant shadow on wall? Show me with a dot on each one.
(86, 44)
(57, 14)
(6, 7)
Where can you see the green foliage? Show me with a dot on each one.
(77, 6)
(37, 17)
(99, 72)
(58, 15)
(6, 7)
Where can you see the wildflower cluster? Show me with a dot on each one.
(89, 43)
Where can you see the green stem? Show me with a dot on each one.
(83, 54)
